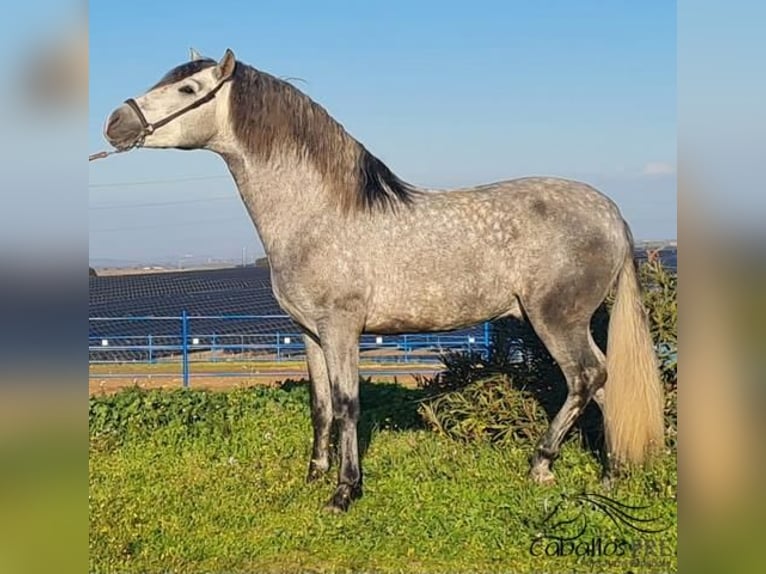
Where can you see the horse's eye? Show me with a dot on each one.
(186, 90)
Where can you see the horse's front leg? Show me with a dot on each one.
(321, 408)
(340, 343)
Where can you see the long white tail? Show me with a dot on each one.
(633, 394)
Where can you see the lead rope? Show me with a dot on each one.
(103, 154)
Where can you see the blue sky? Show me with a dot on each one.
(447, 94)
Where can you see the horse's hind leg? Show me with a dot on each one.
(583, 366)
(321, 408)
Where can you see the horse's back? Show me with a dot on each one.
(536, 197)
(529, 216)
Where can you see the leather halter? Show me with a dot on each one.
(148, 128)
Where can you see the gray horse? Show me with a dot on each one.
(354, 249)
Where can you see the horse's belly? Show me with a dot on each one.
(401, 313)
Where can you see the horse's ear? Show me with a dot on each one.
(195, 55)
(225, 67)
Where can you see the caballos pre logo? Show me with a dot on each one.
(562, 530)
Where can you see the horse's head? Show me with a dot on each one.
(180, 111)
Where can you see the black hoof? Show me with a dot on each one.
(344, 495)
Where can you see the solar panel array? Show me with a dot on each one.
(209, 294)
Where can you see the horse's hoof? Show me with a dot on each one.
(342, 498)
(333, 509)
(610, 477)
(542, 475)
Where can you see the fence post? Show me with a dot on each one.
(279, 348)
(151, 355)
(185, 348)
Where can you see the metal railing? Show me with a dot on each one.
(187, 339)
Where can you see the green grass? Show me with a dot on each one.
(198, 481)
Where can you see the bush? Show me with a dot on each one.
(489, 394)
(660, 288)
(489, 408)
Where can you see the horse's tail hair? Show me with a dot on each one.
(633, 393)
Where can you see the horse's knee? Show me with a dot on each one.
(345, 407)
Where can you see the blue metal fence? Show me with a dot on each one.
(156, 339)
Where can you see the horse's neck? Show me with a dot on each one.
(285, 197)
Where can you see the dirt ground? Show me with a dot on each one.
(111, 384)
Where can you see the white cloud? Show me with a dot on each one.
(658, 168)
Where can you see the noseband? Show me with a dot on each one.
(149, 128)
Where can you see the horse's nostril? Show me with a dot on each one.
(114, 120)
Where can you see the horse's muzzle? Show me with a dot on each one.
(123, 128)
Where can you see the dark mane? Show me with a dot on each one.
(271, 116)
(379, 187)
